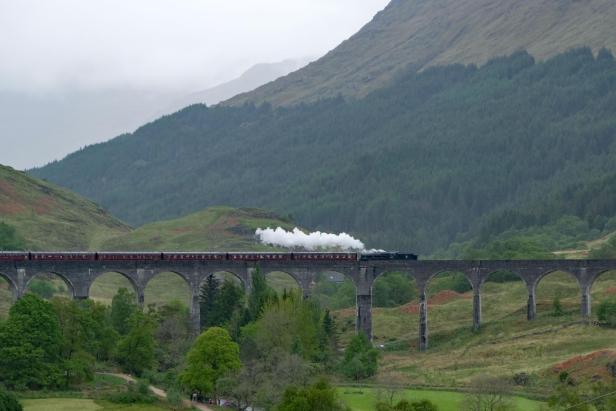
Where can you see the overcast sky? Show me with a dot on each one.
(51, 45)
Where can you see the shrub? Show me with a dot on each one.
(320, 396)
(404, 405)
(174, 398)
(360, 358)
(557, 308)
(42, 288)
(521, 378)
(607, 312)
(611, 367)
(136, 394)
(8, 401)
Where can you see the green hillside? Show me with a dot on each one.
(507, 343)
(213, 229)
(420, 33)
(44, 216)
(451, 154)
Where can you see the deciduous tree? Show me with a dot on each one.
(136, 349)
(30, 345)
(122, 308)
(212, 356)
(360, 358)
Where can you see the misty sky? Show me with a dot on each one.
(53, 50)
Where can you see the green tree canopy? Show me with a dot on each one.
(173, 334)
(291, 324)
(393, 289)
(122, 308)
(360, 358)
(30, 345)
(135, 351)
(318, 397)
(8, 401)
(212, 356)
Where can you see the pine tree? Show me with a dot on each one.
(260, 294)
(328, 325)
(207, 298)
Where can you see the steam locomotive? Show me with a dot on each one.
(163, 256)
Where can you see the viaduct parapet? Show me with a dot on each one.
(80, 275)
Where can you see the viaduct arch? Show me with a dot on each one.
(81, 275)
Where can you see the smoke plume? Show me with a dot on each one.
(311, 242)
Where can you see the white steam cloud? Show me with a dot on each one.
(312, 241)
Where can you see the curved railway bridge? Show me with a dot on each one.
(80, 270)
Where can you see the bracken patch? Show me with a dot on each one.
(587, 366)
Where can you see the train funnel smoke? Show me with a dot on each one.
(312, 241)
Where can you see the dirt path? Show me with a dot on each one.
(157, 391)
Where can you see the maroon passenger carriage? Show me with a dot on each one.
(194, 256)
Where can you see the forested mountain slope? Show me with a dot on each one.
(423, 33)
(443, 155)
(37, 215)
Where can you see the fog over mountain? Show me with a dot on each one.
(53, 124)
(74, 73)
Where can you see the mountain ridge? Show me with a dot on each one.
(421, 34)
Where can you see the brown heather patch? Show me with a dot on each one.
(445, 296)
(45, 204)
(223, 223)
(345, 312)
(8, 197)
(410, 308)
(6, 188)
(440, 298)
(593, 365)
(9, 208)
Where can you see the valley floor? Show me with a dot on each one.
(73, 404)
(365, 399)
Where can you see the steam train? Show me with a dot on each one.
(163, 256)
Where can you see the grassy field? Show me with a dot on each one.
(506, 344)
(365, 399)
(213, 229)
(72, 404)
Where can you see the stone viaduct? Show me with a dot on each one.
(79, 276)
